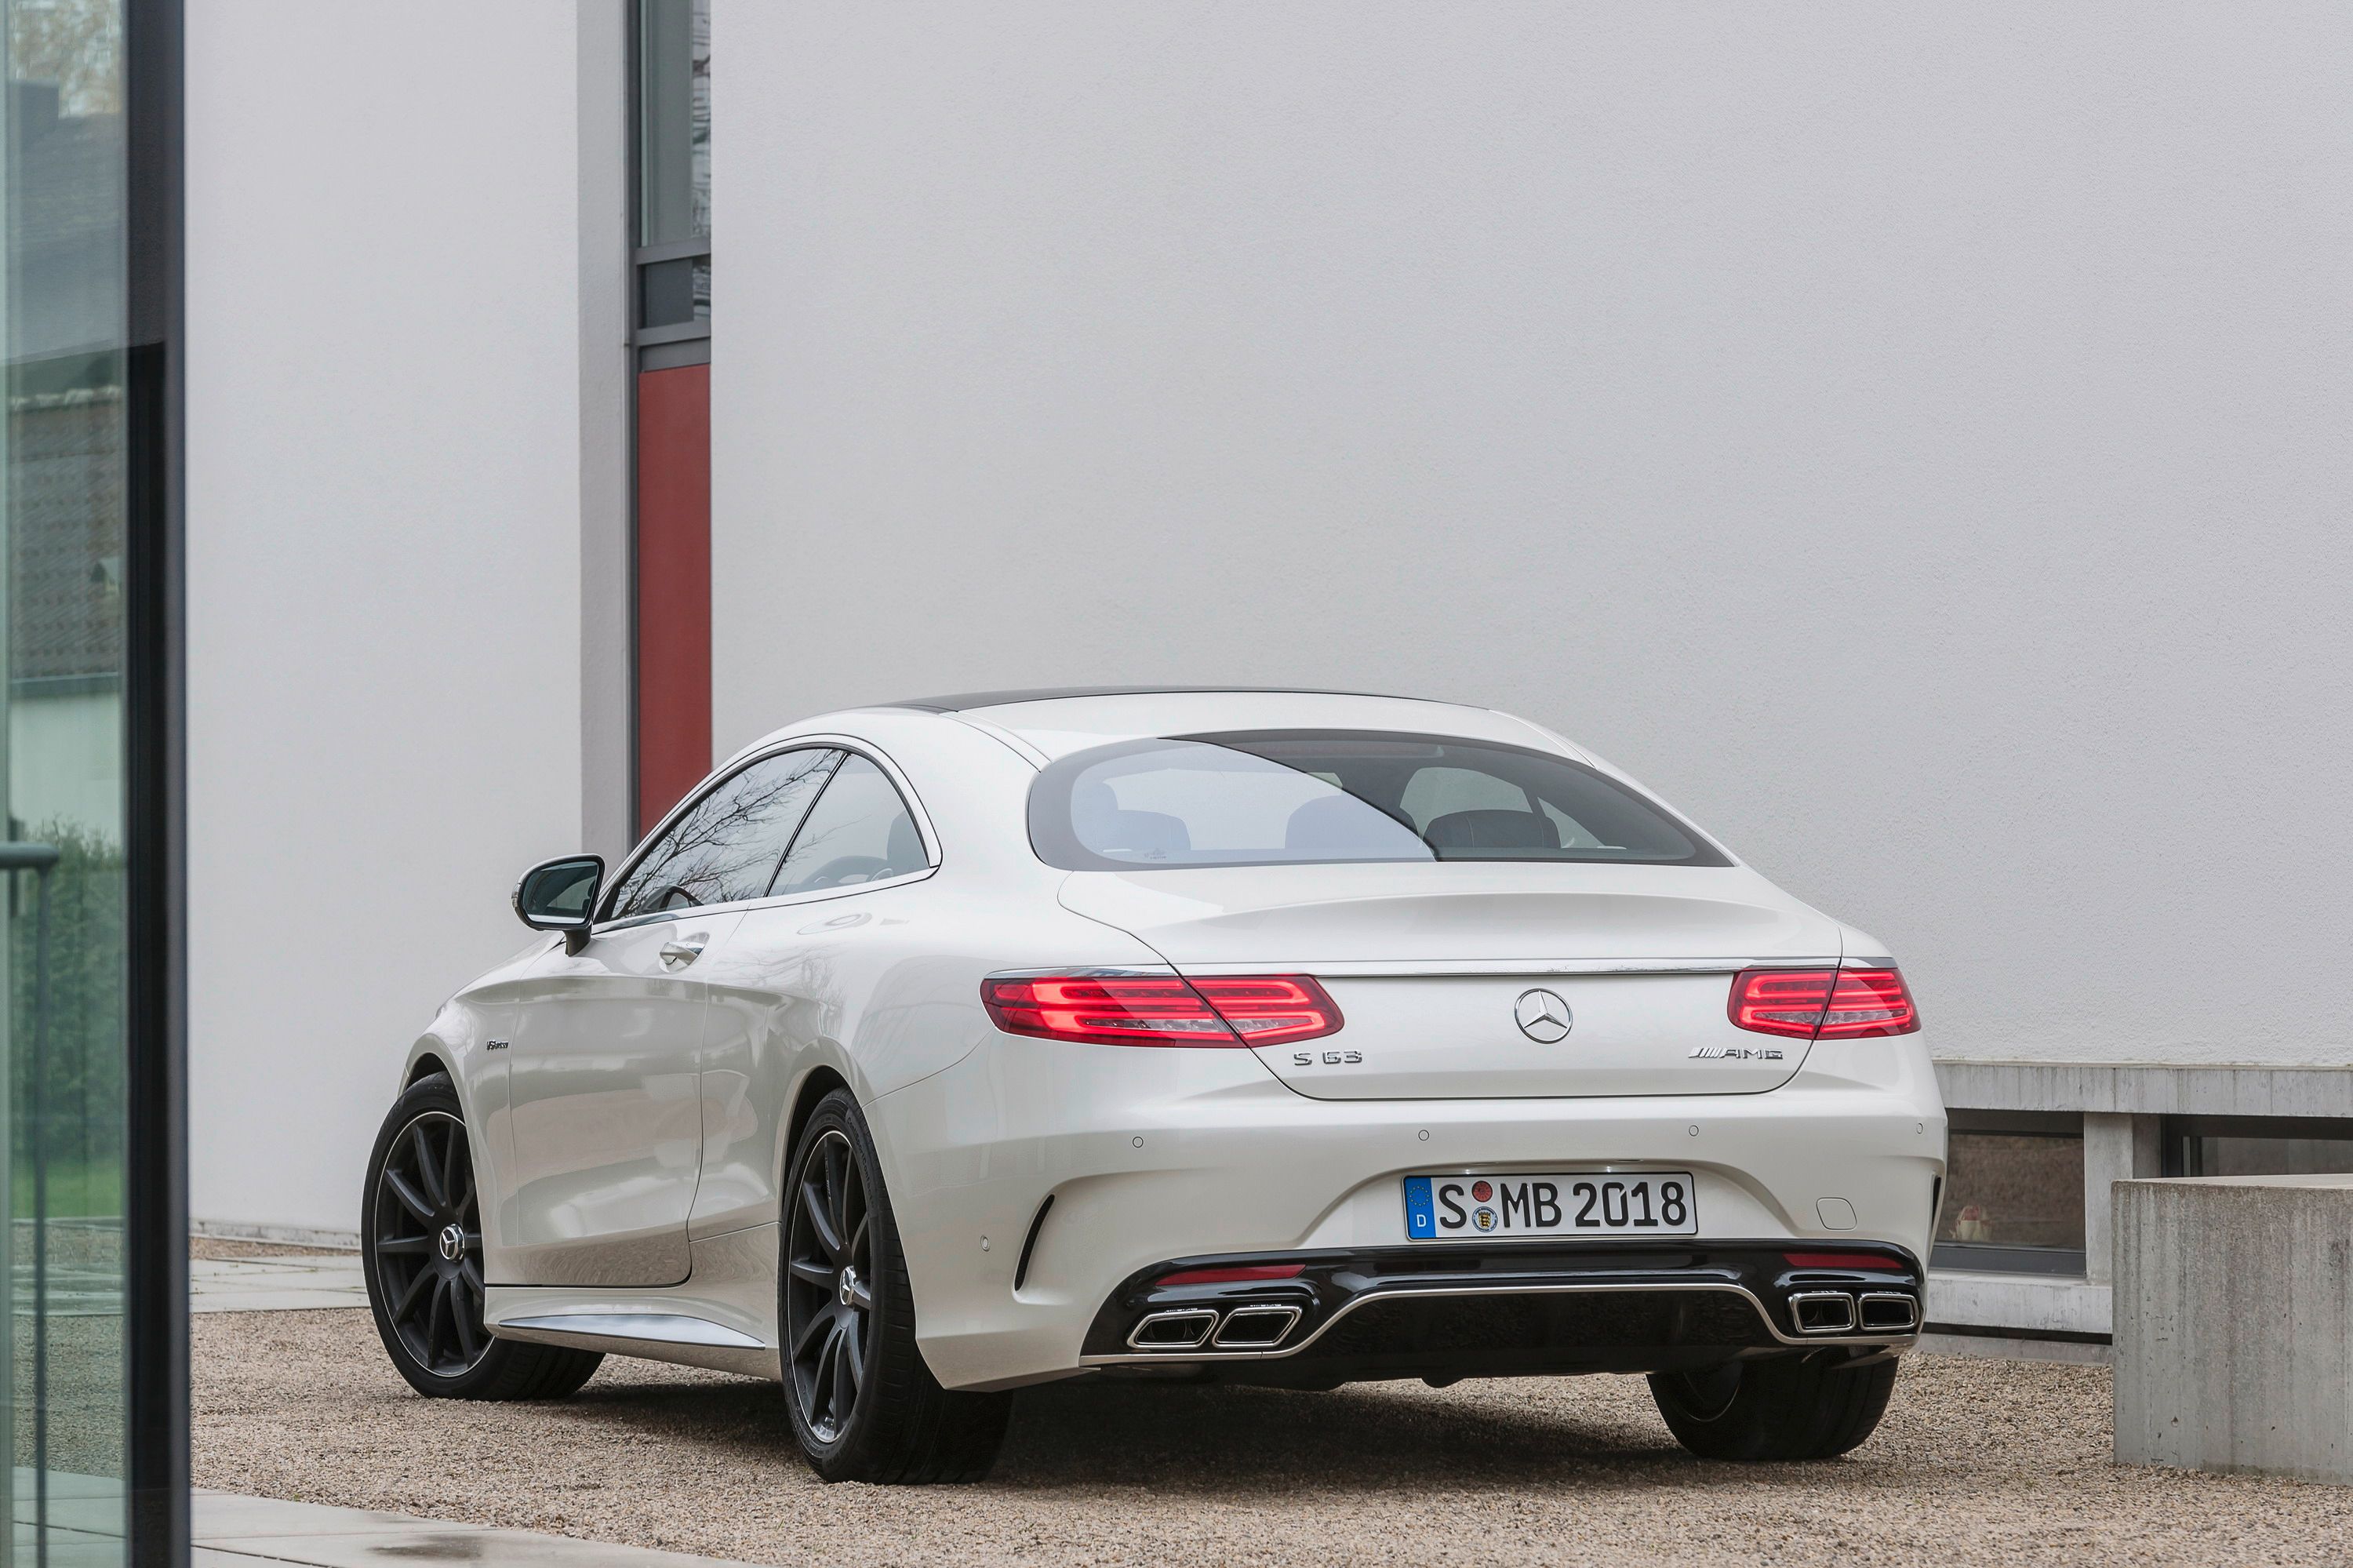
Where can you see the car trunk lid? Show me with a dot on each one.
(1454, 978)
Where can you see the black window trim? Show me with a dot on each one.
(846, 745)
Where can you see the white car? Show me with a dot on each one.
(938, 1048)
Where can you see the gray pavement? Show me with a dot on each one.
(232, 1531)
(290, 1283)
(86, 1531)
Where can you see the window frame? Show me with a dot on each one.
(847, 744)
(2176, 1131)
(2008, 1258)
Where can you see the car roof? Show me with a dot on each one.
(1056, 722)
(964, 701)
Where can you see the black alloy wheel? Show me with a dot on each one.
(829, 1286)
(428, 1245)
(1702, 1395)
(864, 1403)
(421, 1240)
(1811, 1405)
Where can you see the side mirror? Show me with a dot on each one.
(561, 894)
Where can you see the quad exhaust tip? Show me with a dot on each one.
(1180, 1328)
(1822, 1311)
(1837, 1312)
(1255, 1327)
(1888, 1311)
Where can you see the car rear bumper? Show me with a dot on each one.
(1034, 1184)
(1470, 1311)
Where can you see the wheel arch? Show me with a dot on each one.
(816, 1083)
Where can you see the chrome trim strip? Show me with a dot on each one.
(1511, 968)
(1262, 1341)
(1839, 1297)
(658, 1327)
(1176, 1315)
(1382, 1295)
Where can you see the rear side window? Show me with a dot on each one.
(860, 831)
(1291, 797)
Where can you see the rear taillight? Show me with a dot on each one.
(1823, 1004)
(1161, 1010)
(1269, 1010)
(1866, 1002)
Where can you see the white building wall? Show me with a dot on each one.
(395, 396)
(1912, 438)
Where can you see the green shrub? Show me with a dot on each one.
(79, 1092)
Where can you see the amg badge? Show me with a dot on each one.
(1735, 1053)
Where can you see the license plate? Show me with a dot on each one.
(1575, 1204)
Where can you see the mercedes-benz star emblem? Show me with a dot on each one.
(453, 1242)
(1543, 1016)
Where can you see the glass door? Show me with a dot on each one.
(63, 475)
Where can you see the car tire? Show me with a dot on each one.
(864, 1404)
(1812, 1405)
(427, 1294)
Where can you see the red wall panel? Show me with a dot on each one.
(673, 572)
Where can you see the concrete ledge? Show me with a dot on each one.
(292, 1235)
(2148, 1088)
(2235, 1324)
(276, 1284)
(2025, 1304)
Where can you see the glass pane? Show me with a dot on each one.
(2268, 1156)
(1471, 800)
(1180, 802)
(1301, 796)
(671, 294)
(61, 509)
(726, 846)
(2014, 1190)
(675, 121)
(859, 831)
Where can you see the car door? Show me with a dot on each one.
(604, 1061)
(791, 975)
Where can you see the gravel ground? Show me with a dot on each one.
(1979, 1461)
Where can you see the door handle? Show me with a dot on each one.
(685, 950)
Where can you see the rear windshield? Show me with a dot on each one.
(1293, 797)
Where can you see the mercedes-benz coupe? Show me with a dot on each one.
(934, 1049)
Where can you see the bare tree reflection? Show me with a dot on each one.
(727, 845)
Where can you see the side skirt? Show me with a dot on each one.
(722, 1317)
